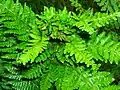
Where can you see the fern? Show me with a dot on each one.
(45, 54)
(8, 73)
(59, 49)
(35, 47)
(110, 6)
(105, 48)
(45, 82)
(78, 48)
(68, 78)
(77, 5)
(33, 72)
(56, 25)
(25, 85)
(16, 21)
(23, 24)
(91, 22)
(15, 27)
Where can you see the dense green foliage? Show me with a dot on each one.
(73, 45)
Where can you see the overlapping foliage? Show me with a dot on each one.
(59, 49)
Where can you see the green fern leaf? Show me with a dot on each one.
(36, 46)
(78, 48)
(105, 48)
(45, 83)
(91, 22)
(33, 72)
(69, 78)
(25, 85)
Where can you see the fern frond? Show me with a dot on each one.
(68, 78)
(25, 85)
(57, 26)
(7, 43)
(16, 19)
(13, 77)
(104, 48)
(77, 47)
(89, 22)
(108, 5)
(33, 72)
(44, 55)
(60, 54)
(36, 46)
(23, 37)
(11, 69)
(18, 22)
(21, 45)
(8, 50)
(77, 5)
(10, 56)
(45, 82)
